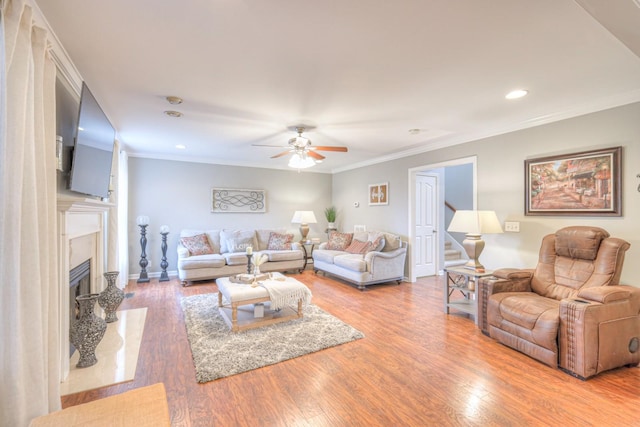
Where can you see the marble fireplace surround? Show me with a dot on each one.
(81, 236)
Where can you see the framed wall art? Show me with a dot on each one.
(379, 194)
(577, 184)
(237, 200)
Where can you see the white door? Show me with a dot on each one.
(426, 236)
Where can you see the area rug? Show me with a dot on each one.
(218, 353)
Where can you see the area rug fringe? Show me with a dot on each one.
(218, 353)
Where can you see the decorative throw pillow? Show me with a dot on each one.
(377, 241)
(339, 241)
(237, 240)
(358, 247)
(279, 242)
(197, 245)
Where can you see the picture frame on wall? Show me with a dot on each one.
(587, 183)
(379, 194)
(238, 200)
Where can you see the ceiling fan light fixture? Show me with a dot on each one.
(299, 141)
(298, 161)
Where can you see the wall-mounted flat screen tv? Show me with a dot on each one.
(93, 149)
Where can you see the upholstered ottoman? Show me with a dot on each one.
(276, 291)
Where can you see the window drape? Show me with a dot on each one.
(29, 319)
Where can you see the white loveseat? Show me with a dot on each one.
(382, 263)
(227, 255)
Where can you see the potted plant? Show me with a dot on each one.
(330, 214)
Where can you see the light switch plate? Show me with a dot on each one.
(512, 226)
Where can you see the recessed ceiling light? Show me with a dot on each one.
(181, 146)
(414, 131)
(171, 113)
(515, 94)
(174, 100)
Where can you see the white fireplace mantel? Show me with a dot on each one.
(78, 217)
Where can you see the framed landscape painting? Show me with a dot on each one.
(578, 184)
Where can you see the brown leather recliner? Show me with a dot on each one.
(570, 311)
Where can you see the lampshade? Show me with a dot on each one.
(301, 161)
(475, 222)
(303, 217)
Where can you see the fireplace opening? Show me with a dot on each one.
(79, 284)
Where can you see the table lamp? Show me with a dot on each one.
(474, 224)
(304, 218)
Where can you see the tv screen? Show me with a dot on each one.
(93, 149)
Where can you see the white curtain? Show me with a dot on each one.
(29, 323)
(123, 215)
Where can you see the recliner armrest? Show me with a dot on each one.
(513, 273)
(502, 280)
(605, 294)
(598, 330)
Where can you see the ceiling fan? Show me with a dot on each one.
(302, 150)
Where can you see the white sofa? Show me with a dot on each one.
(384, 264)
(228, 254)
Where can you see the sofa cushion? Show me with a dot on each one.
(353, 262)
(235, 258)
(526, 315)
(237, 240)
(197, 245)
(358, 247)
(279, 242)
(339, 241)
(202, 261)
(283, 255)
(326, 255)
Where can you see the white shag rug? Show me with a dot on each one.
(218, 353)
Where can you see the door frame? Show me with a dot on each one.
(434, 168)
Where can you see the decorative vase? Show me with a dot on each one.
(87, 332)
(111, 297)
(256, 270)
(331, 226)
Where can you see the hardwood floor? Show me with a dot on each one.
(416, 366)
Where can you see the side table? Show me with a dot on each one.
(460, 279)
(308, 254)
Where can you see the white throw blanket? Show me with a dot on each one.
(286, 292)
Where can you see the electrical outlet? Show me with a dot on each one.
(512, 226)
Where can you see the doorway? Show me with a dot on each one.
(427, 205)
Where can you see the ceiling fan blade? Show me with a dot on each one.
(284, 153)
(315, 155)
(330, 148)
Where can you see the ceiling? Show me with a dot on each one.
(363, 72)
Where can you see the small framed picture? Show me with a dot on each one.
(379, 194)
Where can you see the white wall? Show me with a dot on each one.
(178, 194)
(500, 173)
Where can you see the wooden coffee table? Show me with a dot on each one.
(239, 314)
